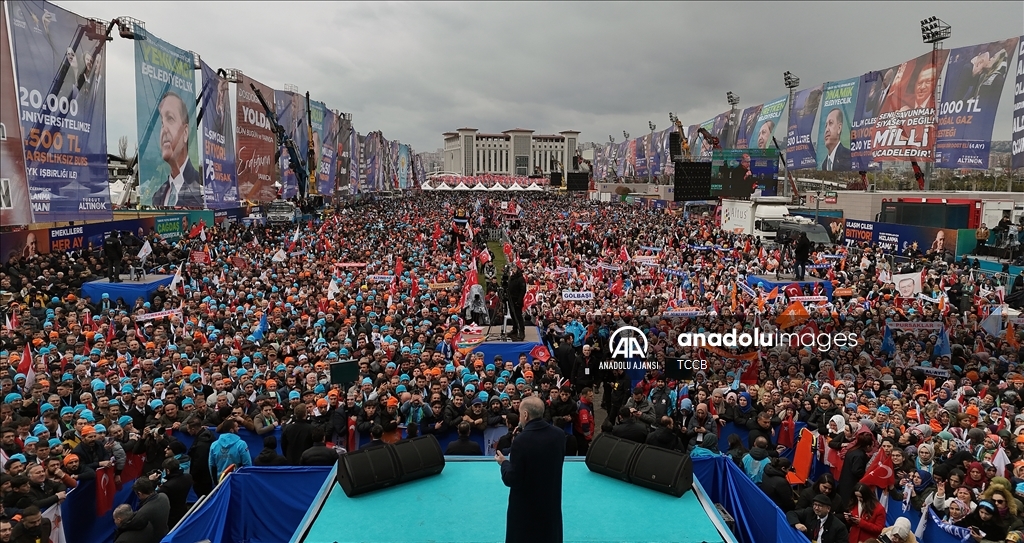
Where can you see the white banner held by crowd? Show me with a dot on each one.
(56, 524)
(914, 325)
(158, 315)
(577, 296)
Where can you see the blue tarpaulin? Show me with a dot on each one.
(254, 505)
(128, 290)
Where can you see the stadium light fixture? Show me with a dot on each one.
(791, 80)
(935, 30)
(625, 134)
(732, 98)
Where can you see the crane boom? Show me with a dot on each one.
(301, 175)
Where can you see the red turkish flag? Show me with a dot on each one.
(879, 472)
(132, 467)
(531, 297)
(750, 373)
(540, 352)
(106, 489)
(787, 433)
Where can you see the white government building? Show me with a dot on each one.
(512, 152)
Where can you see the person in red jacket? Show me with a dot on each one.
(866, 517)
(583, 421)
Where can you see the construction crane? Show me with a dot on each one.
(294, 162)
(684, 145)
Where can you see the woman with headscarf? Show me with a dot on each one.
(743, 411)
(923, 488)
(984, 524)
(956, 511)
(1006, 506)
(976, 479)
(900, 531)
(925, 458)
(865, 517)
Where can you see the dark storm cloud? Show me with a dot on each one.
(416, 70)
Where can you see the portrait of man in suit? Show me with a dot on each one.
(838, 157)
(764, 135)
(924, 89)
(184, 186)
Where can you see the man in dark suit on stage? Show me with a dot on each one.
(533, 473)
(184, 186)
(837, 157)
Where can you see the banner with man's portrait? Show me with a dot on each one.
(60, 62)
(905, 129)
(799, 148)
(15, 206)
(970, 95)
(255, 143)
(290, 108)
(838, 103)
(165, 96)
(767, 120)
(219, 179)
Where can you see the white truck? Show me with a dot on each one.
(760, 216)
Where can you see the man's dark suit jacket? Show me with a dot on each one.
(191, 194)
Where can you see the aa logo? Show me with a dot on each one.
(628, 342)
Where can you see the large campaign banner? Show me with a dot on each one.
(343, 152)
(355, 170)
(255, 143)
(165, 97)
(905, 127)
(799, 149)
(15, 206)
(644, 148)
(23, 244)
(404, 167)
(290, 108)
(838, 104)
(418, 172)
(1018, 109)
(894, 238)
(360, 149)
(767, 119)
(60, 63)
(970, 96)
(325, 135)
(220, 184)
(668, 167)
(874, 86)
(327, 170)
(745, 129)
(371, 177)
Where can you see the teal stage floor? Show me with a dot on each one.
(467, 503)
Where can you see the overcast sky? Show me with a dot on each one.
(419, 69)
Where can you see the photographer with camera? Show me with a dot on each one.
(153, 444)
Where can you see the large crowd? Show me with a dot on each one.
(247, 342)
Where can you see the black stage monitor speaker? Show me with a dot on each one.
(692, 181)
(367, 470)
(612, 456)
(675, 145)
(670, 472)
(419, 457)
(556, 179)
(577, 182)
